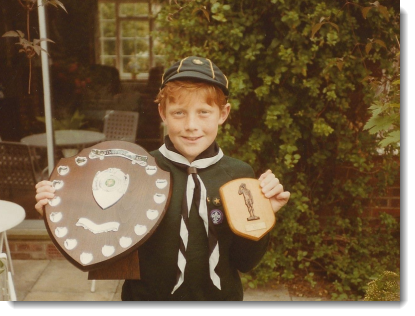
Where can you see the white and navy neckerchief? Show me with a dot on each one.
(196, 190)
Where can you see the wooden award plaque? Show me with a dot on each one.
(248, 211)
(109, 199)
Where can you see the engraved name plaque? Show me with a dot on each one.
(248, 211)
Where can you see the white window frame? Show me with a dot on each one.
(118, 46)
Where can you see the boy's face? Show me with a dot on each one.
(192, 123)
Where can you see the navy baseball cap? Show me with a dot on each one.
(196, 68)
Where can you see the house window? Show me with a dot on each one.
(125, 36)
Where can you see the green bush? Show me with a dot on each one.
(385, 288)
(299, 106)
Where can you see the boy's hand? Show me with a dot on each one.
(273, 190)
(44, 192)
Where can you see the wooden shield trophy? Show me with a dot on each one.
(109, 199)
(248, 211)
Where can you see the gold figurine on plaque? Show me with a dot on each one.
(242, 197)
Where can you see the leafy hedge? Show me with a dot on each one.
(300, 101)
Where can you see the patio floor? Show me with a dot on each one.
(59, 280)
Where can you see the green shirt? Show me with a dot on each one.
(158, 255)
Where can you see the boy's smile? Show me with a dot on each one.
(193, 124)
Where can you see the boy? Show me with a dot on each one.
(193, 255)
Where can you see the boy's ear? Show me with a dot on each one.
(162, 114)
(224, 113)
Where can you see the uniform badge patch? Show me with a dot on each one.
(217, 216)
(197, 62)
(216, 201)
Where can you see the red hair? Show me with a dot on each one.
(175, 90)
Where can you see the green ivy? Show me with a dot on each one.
(300, 101)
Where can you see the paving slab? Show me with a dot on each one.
(26, 274)
(39, 296)
(280, 293)
(117, 294)
(307, 299)
(59, 280)
(62, 276)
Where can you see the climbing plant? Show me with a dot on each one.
(31, 48)
(300, 77)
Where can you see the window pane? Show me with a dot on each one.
(107, 10)
(142, 45)
(133, 9)
(128, 46)
(108, 29)
(108, 46)
(134, 28)
(155, 8)
(108, 60)
(157, 47)
(134, 46)
(135, 64)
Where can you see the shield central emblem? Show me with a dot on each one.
(109, 186)
(109, 199)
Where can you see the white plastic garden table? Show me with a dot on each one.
(11, 215)
(67, 140)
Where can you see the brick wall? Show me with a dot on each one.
(34, 249)
(389, 203)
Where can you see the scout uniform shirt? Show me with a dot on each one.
(158, 255)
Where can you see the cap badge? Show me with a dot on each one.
(197, 62)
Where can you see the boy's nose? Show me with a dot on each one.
(191, 122)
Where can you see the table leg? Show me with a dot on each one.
(1, 242)
(9, 258)
(3, 276)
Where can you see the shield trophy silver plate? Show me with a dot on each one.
(109, 199)
(109, 186)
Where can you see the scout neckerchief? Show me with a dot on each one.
(196, 190)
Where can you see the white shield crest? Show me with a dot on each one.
(109, 186)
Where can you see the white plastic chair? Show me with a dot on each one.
(120, 125)
(7, 291)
